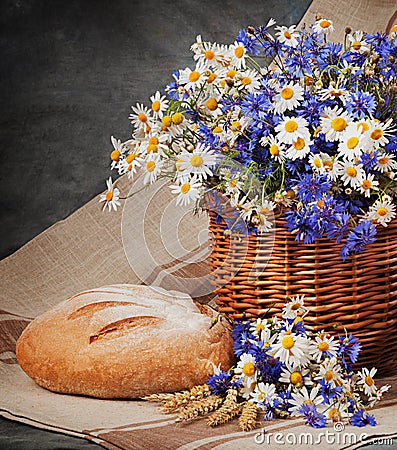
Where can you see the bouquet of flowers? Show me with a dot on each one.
(284, 370)
(280, 121)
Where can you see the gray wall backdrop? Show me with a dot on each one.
(69, 72)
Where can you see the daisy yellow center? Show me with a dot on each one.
(333, 413)
(317, 162)
(249, 369)
(307, 402)
(152, 148)
(320, 203)
(287, 35)
(299, 144)
(351, 171)
(185, 188)
(274, 150)
(266, 345)
(383, 160)
(177, 118)
(364, 127)
(287, 342)
(211, 77)
(109, 196)
(260, 327)
(290, 194)
(156, 106)
(338, 124)
(130, 157)
(295, 306)
(129, 168)
(150, 166)
(153, 141)
(212, 104)
(209, 54)
(329, 375)
(352, 142)
(287, 93)
(246, 81)
(231, 73)
(325, 24)
(323, 346)
(233, 184)
(366, 184)
(394, 29)
(194, 76)
(142, 117)
(196, 161)
(376, 134)
(328, 164)
(369, 381)
(290, 126)
(264, 211)
(166, 121)
(295, 378)
(115, 155)
(239, 52)
(217, 130)
(236, 125)
(356, 45)
(381, 211)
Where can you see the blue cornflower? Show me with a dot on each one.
(310, 109)
(299, 223)
(172, 88)
(361, 104)
(359, 420)
(329, 392)
(282, 401)
(337, 230)
(220, 383)
(299, 64)
(358, 238)
(369, 160)
(312, 417)
(253, 104)
(310, 188)
(251, 43)
(350, 347)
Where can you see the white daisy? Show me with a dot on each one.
(333, 93)
(338, 412)
(292, 128)
(366, 379)
(324, 346)
(386, 162)
(294, 376)
(248, 80)
(351, 143)
(352, 173)
(377, 396)
(187, 190)
(330, 371)
(287, 35)
(159, 104)
(246, 368)
(268, 339)
(299, 148)
(368, 184)
(129, 164)
(294, 307)
(152, 167)
(141, 117)
(237, 53)
(276, 148)
(382, 211)
(393, 31)
(117, 151)
(291, 348)
(206, 52)
(264, 393)
(198, 162)
(333, 123)
(357, 42)
(323, 26)
(288, 97)
(303, 397)
(155, 142)
(190, 79)
(378, 133)
(110, 197)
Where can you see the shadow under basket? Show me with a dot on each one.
(255, 275)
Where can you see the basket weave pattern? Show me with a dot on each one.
(254, 275)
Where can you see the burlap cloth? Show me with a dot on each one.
(86, 251)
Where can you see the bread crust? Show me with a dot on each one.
(123, 341)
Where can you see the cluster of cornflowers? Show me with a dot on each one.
(288, 371)
(309, 123)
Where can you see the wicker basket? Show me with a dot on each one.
(254, 275)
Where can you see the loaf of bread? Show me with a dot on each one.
(123, 341)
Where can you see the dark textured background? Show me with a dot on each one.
(69, 72)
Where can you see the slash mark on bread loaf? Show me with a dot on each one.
(124, 326)
(92, 308)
